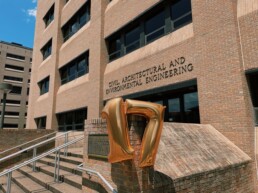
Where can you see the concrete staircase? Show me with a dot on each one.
(24, 180)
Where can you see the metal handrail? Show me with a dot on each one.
(89, 171)
(32, 147)
(8, 172)
(18, 146)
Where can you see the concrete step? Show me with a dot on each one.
(69, 159)
(74, 152)
(66, 166)
(14, 188)
(66, 176)
(27, 184)
(48, 181)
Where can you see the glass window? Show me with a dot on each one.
(81, 17)
(174, 111)
(44, 86)
(155, 27)
(47, 49)
(181, 13)
(49, 17)
(41, 122)
(16, 90)
(12, 78)
(14, 56)
(13, 67)
(115, 48)
(73, 120)
(132, 40)
(74, 69)
(191, 107)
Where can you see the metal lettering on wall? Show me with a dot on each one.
(150, 75)
(98, 145)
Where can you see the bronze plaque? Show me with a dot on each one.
(98, 145)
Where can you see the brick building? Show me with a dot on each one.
(15, 62)
(198, 58)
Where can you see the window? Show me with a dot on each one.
(49, 17)
(6, 125)
(11, 102)
(157, 22)
(181, 13)
(13, 67)
(73, 120)
(44, 86)
(8, 113)
(11, 78)
(155, 27)
(253, 87)
(47, 49)
(115, 48)
(41, 122)
(132, 39)
(182, 104)
(81, 17)
(74, 69)
(14, 56)
(16, 90)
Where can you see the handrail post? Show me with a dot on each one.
(34, 155)
(9, 181)
(57, 166)
(66, 148)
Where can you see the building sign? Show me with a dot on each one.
(98, 145)
(153, 74)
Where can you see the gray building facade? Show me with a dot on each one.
(15, 63)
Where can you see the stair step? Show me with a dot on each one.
(68, 177)
(48, 181)
(69, 159)
(66, 166)
(27, 184)
(74, 152)
(14, 188)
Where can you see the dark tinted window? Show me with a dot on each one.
(6, 125)
(47, 49)
(115, 48)
(81, 17)
(41, 122)
(73, 120)
(16, 90)
(132, 39)
(15, 56)
(11, 78)
(74, 69)
(155, 27)
(181, 13)
(49, 17)
(44, 86)
(13, 102)
(13, 67)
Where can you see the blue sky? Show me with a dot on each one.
(17, 21)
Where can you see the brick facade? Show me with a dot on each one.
(219, 47)
(176, 168)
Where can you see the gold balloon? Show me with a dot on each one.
(150, 142)
(120, 149)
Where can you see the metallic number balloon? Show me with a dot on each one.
(120, 149)
(150, 142)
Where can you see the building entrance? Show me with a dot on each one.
(182, 104)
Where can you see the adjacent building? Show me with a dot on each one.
(15, 62)
(198, 58)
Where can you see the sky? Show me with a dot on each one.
(17, 21)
